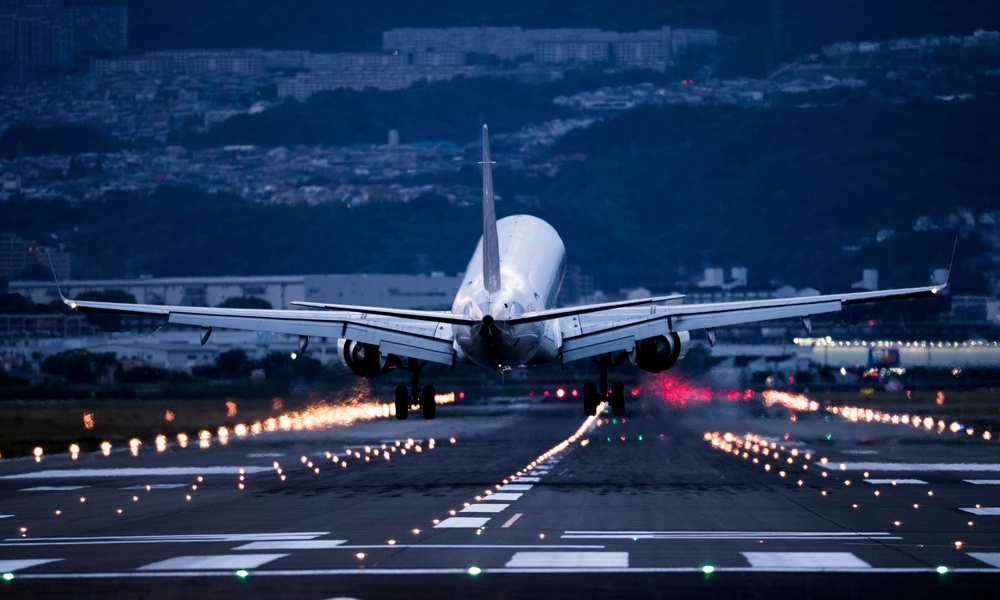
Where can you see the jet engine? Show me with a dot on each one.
(659, 353)
(362, 359)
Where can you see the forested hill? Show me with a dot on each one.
(347, 25)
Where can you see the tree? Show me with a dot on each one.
(245, 302)
(79, 366)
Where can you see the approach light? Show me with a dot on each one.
(242, 573)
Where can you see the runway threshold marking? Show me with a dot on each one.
(55, 488)
(13, 566)
(492, 507)
(462, 523)
(986, 511)
(137, 472)
(531, 479)
(983, 481)
(503, 497)
(209, 563)
(6, 516)
(573, 560)
(511, 520)
(990, 558)
(726, 535)
(805, 560)
(515, 487)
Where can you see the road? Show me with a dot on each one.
(522, 500)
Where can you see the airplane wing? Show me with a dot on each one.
(619, 329)
(394, 332)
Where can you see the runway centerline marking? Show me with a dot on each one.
(492, 507)
(804, 560)
(986, 511)
(900, 467)
(896, 481)
(578, 560)
(726, 535)
(462, 523)
(292, 545)
(164, 539)
(137, 472)
(511, 520)
(157, 486)
(208, 563)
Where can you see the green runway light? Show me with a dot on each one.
(707, 569)
(614, 421)
(942, 570)
(829, 437)
(640, 438)
(475, 571)
(242, 573)
(8, 576)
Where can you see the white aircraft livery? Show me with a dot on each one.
(503, 317)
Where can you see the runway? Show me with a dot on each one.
(523, 500)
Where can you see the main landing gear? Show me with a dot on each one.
(405, 398)
(592, 396)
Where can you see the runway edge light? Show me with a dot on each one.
(242, 573)
(475, 571)
(8, 576)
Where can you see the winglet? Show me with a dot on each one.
(491, 241)
(65, 300)
(951, 263)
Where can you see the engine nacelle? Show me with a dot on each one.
(362, 359)
(659, 353)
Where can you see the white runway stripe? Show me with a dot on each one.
(572, 560)
(209, 563)
(503, 497)
(135, 472)
(55, 488)
(726, 535)
(511, 520)
(164, 539)
(157, 486)
(13, 566)
(986, 511)
(896, 481)
(983, 481)
(515, 487)
(6, 516)
(531, 479)
(292, 545)
(905, 467)
(493, 507)
(462, 523)
(804, 560)
(990, 558)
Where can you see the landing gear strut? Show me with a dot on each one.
(592, 397)
(405, 398)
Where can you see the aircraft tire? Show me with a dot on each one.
(402, 402)
(427, 402)
(617, 399)
(590, 400)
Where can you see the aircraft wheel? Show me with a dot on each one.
(427, 402)
(617, 399)
(402, 402)
(590, 399)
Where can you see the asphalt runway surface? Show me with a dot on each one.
(658, 504)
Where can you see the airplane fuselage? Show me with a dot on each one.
(532, 266)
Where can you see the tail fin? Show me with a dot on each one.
(491, 242)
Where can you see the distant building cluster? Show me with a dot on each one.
(17, 254)
(44, 34)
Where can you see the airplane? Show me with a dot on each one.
(504, 317)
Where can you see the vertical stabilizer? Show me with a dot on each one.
(491, 243)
